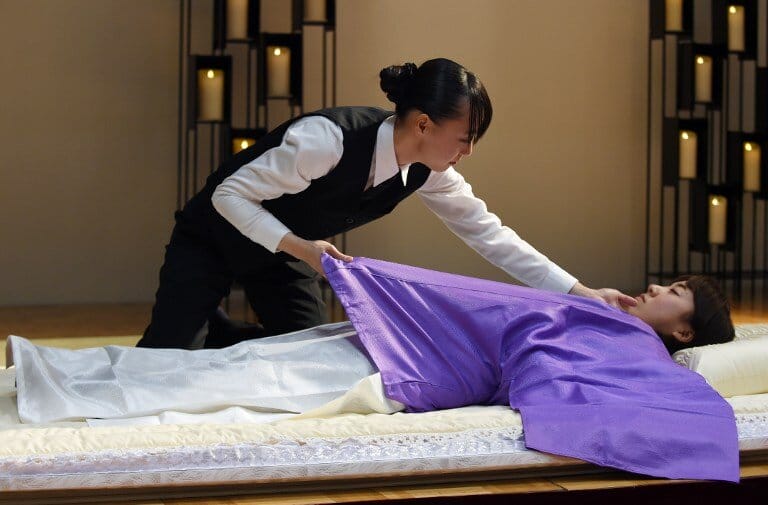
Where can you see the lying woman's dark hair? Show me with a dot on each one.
(438, 88)
(711, 320)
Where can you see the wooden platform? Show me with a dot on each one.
(92, 325)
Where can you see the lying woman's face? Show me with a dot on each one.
(666, 309)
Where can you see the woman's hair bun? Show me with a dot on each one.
(395, 81)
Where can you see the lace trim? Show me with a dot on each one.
(280, 453)
(283, 452)
(289, 458)
(753, 425)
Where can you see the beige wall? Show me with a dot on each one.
(88, 135)
(87, 148)
(563, 163)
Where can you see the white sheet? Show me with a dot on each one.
(254, 381)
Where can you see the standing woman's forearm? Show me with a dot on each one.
(310, 149)
(449, 196)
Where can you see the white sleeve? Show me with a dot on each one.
(311, 148)
(449, 196)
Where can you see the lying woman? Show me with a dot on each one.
(590, 381)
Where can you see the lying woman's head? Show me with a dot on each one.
(692, 311)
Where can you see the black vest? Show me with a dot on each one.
(332, 204)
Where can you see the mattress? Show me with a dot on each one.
(325, 444)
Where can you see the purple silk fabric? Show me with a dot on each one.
(590, 381)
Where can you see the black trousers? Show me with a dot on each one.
(194, 279)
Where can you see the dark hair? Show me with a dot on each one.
(711, 320)
(437, 88)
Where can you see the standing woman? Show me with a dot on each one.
(262, 217)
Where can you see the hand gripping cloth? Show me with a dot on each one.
(589, 380)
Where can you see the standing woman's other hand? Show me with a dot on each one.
(612, 297)
(616, 298)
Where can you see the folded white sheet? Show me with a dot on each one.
(286, 374)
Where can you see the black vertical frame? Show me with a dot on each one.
(698, 230)
(761, 99)
(763, 193)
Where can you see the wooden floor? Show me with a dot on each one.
(62, 321)
(92, 325)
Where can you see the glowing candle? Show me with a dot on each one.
(735, 28)
(751, 167)
(703, 79)
(210, 95)
(240, 143)
(688, 145)
(278, 71)
(718, 207)
(674, 17)
(314, 10)
(237, 19)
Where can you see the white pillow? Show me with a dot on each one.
(734, 368)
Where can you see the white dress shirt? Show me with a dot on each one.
(313, 146)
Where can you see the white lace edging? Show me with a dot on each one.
(752, 426)
(290, 458)
(282, 453)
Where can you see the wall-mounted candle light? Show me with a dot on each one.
(703, 77)
(736, 28)
(278, 71)
(240, 143)
(210, 95)
(235, 22)
(751, 166)
(314, 11)
(688, 150)
(674, 16)
(718, 213)
(210, 89)
(234, 140)
(280, 67)
(237, 19)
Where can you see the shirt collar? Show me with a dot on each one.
(386, 162)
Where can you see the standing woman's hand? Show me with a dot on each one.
(611, 296)
(310, 251)
(616, 298)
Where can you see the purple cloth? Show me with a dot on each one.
(589, 380)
